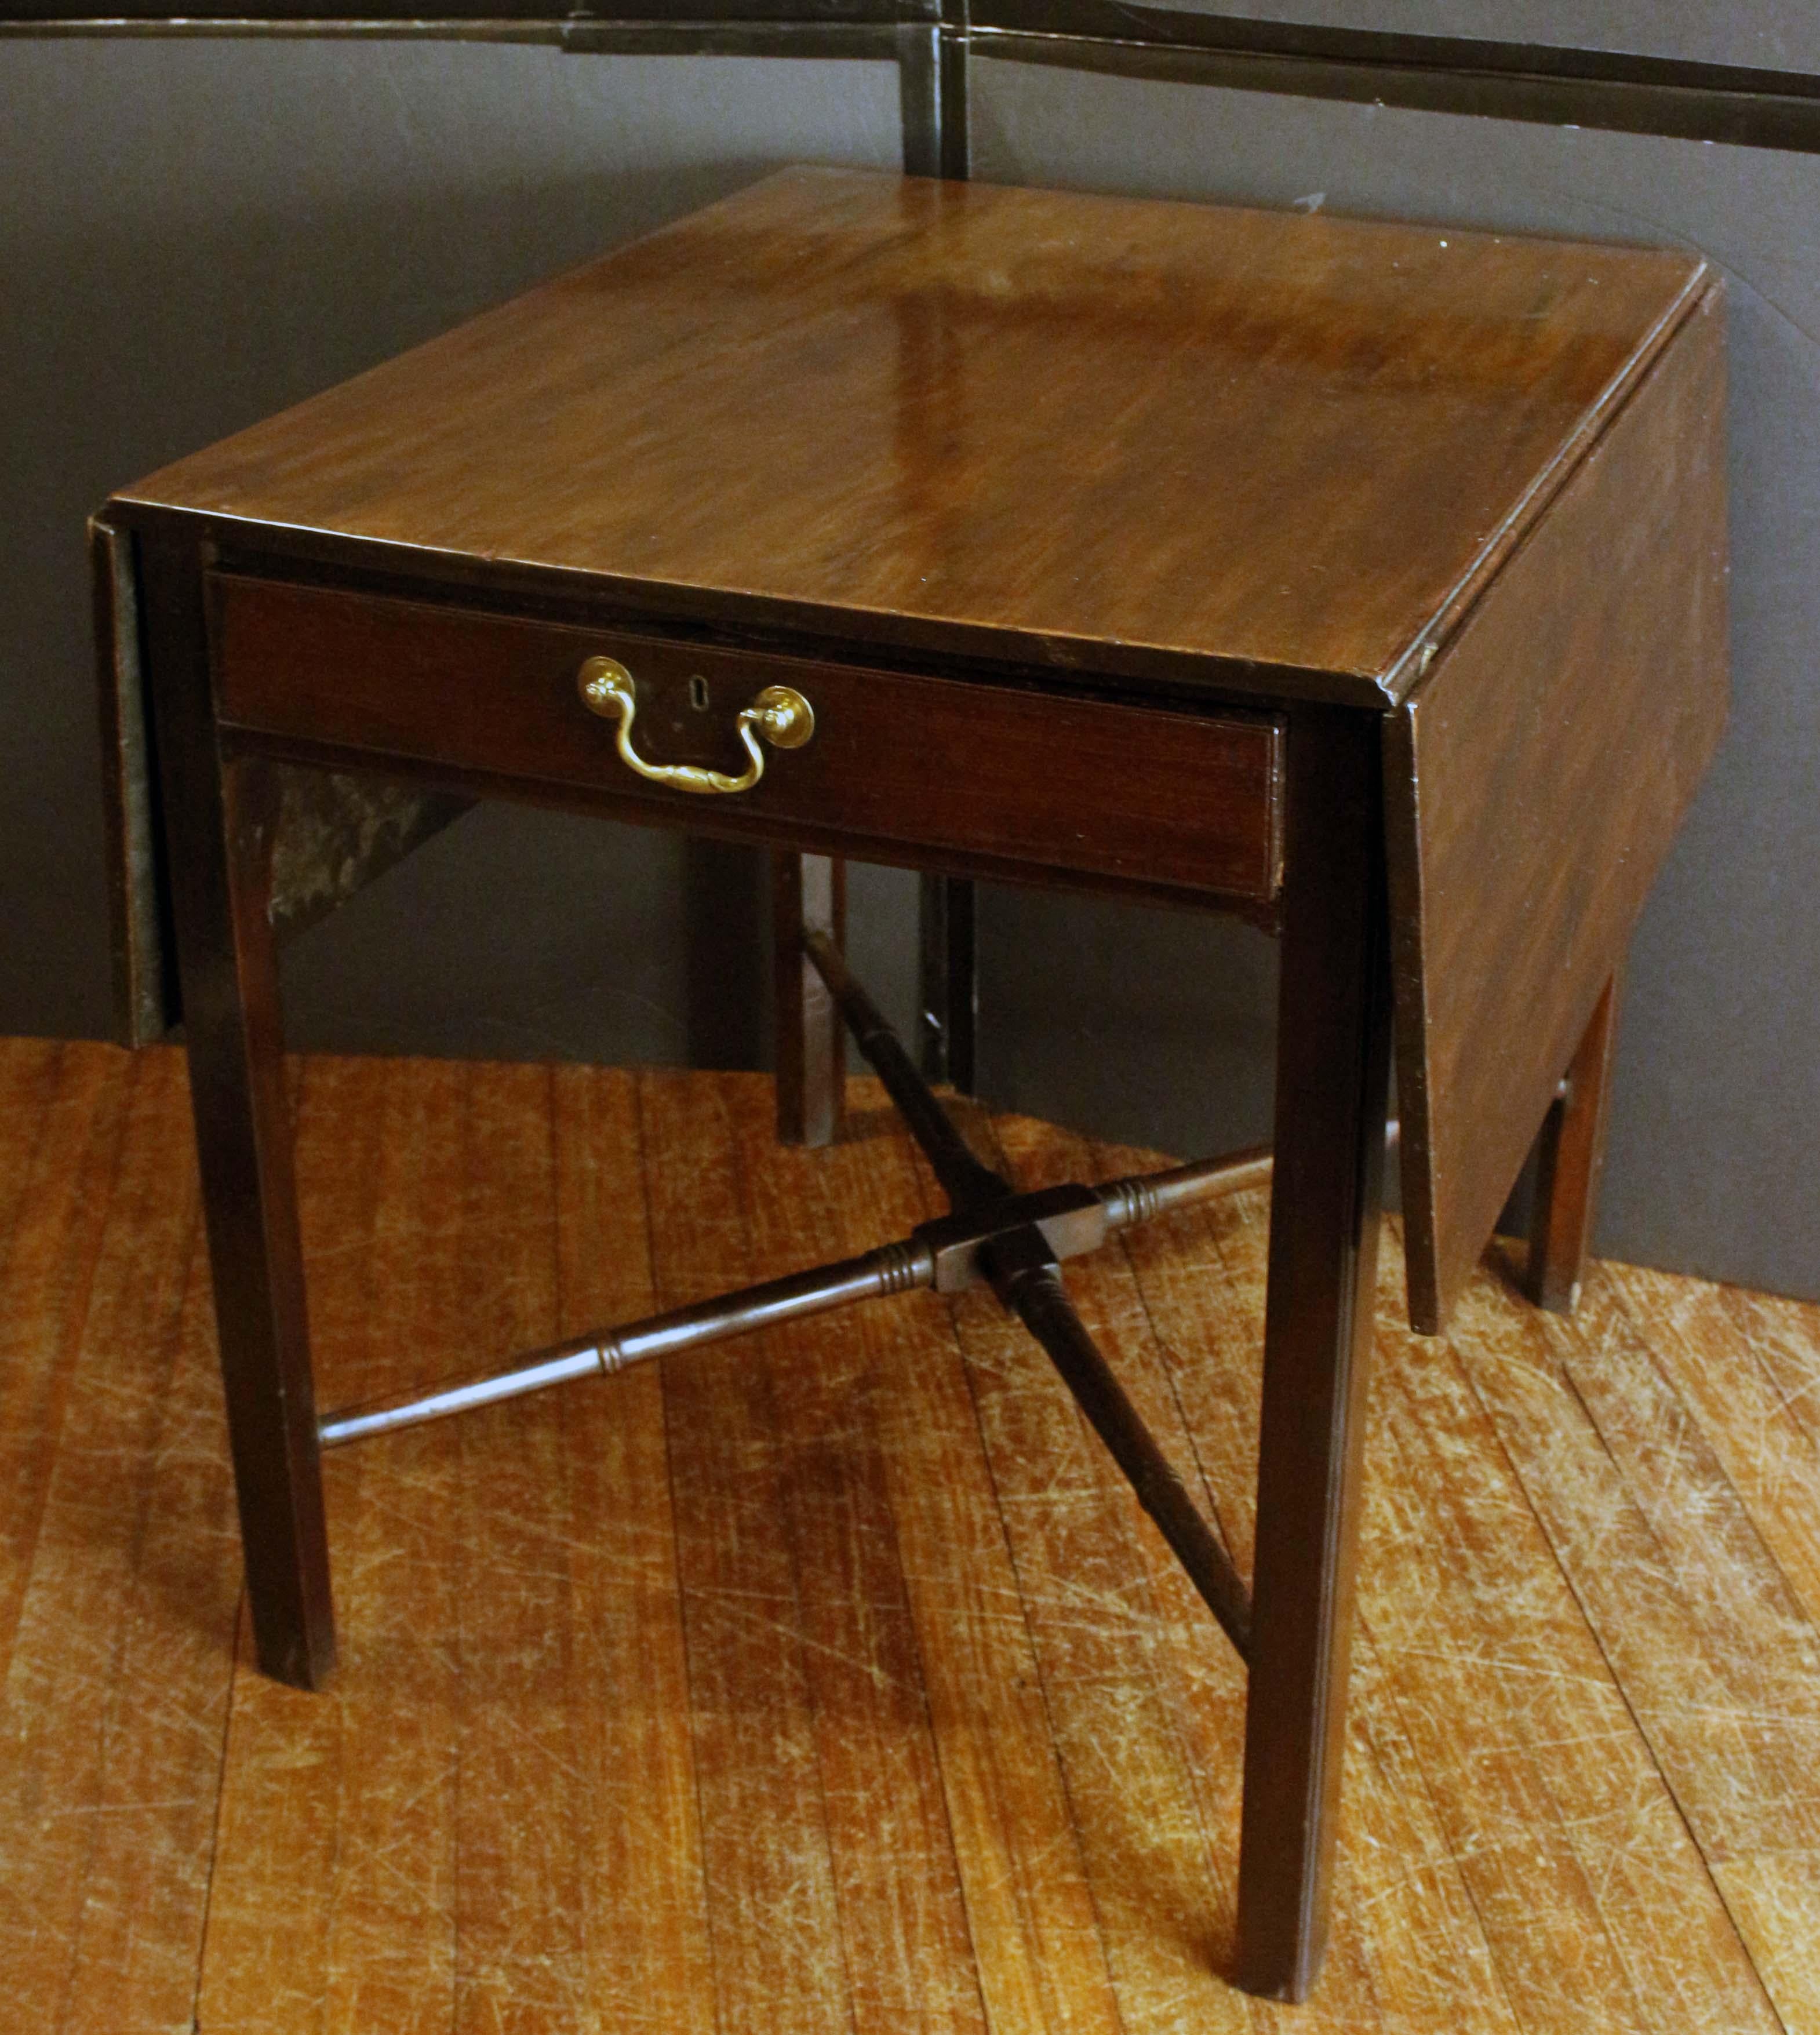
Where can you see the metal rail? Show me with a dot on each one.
(1620, 92)
(934, 42)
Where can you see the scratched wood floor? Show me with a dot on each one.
(830, 1681)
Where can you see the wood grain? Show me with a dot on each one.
(903, 766)
(845, 1686)
(1720, 1663)
(1531, 1700)
(1332, 1083)
(644, 1885)
(1037, 1939)
(1048, 427)
(1570, 1158)
(273, 1909)
(767, 1829)
(1162, 1830)
(809, 1041)
(1075, 1534)
(123, 1600)
(1424, 1960)
(64, 1116)
(1535, 781)
(390, 1944)
(221, 818)
(903, 1919)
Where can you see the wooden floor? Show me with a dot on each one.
(831, 1681)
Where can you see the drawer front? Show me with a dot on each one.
(897, 762)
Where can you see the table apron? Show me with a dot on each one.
(902, 767)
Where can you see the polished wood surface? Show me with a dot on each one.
(1332, 1081)
(1535, 781)
(947, 980)
(886, 1709)
(220, 819)
(1247, 448)
(1569, 1157)
(808, 895)
(904, 766)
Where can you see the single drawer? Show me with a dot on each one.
(896, 763)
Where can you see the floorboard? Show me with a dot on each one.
(830, 1683)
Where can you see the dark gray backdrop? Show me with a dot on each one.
(194, 232)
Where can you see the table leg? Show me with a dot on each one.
(808, 894)
(949, 984)
(1570, 1156)
(221, 816)
(1332, 1081)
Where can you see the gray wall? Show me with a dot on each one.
(193, 233)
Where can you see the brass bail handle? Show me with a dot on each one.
(780, 713)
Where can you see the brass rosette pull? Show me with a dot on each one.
(780, 714)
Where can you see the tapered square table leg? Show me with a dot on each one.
(1332, 1078)
(1570, 1155)
(808, 895)
(948, 977)
(221, 816)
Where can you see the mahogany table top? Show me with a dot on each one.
(1272, 453)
